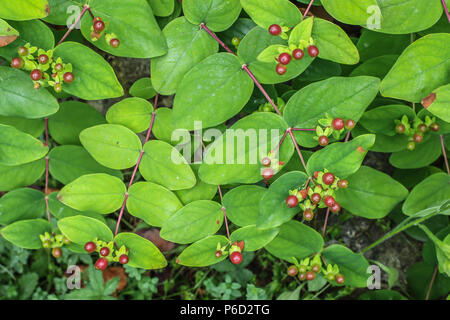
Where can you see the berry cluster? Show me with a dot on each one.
(235, 251)
(39, 62)
(416, 129)
(271, 165)
(332, 126)
(107, 253)
(54, 242)
(97, 29)
(308, 268)
(320, 195)
(267, 107)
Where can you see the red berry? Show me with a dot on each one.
(434, 127)
(104, 251)
(340, 279)
(56, 252)
(284, 58)
(68, 77)
(236, 257)
(58, 67)
(43, 59)
(411, 146)
(298, 54)
(329, 201)
(266, 161)
(310, 275)
(349, 124)
(308, 215)
(328, 178)
(301, 276)
(315, 268)
(99, 25)
(291, 201)
(316, 174)
(315, 198)
(101, 264)
(292, 271)
(303, 193)
(90, 247)
(275, 29)
(400, 128)
(418, 137)
(36, 75)
(280, 69)
(114, 43)
(218, 253)
(17, 63)
(22, 51)
(267, 173)
(342, 184)
(323, 141)
(336, 207)
(313, 51)
(123, 259)
(422, 128)
(338, 124)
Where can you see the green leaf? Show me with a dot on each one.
(61, 10)
(266, 13)
(351, 11)
(271, 53)
(255, 42)
(352, 266)
(142, 253)
(72, 118)
(12, 177)
(295, 240)
(188, 45)
(133, 24)
(193, 222)
(419, 277)
(34, 32)
(302, 32)
(442, 250)
(273, 210)
(333, 43)
(290, 295)
(202, 253)
(382, 119)
(163, 164)
(217, 15)
(341, 158)
(162, 8)
(94, 77)
(18, 98)
(235, 156)
(23, 10)
(432, 192)
(152, 203)
(112, 145)
(7, 33)
(383, 143)
(21, 204)
(375, 67)
(201, 190)
(25, 233)
(67, 163)
(205, 91)
(346, 98)
(373, 44)
(82, 229)
(59, 210)
(382, 295)
(98, 192)
(440, 106)
(423, 155)
(163, 128)
(242, 204)
(254, 239)
(133, 113)
(421, 68)
(18, 148)
(33, 127)
(371, 194)
(143, 88)
(408, 16)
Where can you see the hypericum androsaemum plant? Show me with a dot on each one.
(331, 96)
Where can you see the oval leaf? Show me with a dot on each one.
(21, 204)
(82, 229)
(25, 233)
(133, 113)
(242, 204)
(202, 253)
(254, 238)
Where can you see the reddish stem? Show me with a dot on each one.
(307, 9)
(224, 211)
(90, 12)
(47, 209)
(445, 154)
(279, 144)
(301, 129)
(347, 136)
(85, 8)
(212, 34)
(431, 283)
(446, 10)
(136, 167)
(297, 147)
(325, 223)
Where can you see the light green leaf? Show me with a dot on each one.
(23, 10)
(25, 233)
(162, 8)
(351, 11)
(61, 10)
(12, 177)
(21, 204)
(202, 253)
(254, 239)
(34, 127)
(7, 33)
(424, 154)
(143, 88)
(59, 210)
(133, 113)
(440, 106)
(266, 13)
(242, 204)
(382, 119)
(201, 190)
(82, 229)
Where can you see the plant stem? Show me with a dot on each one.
(446, 10)
(444, 153)
(224, 211)
(301, 129)
(47, 209)
(136, 167)
(204, 27)
(85, 8)
(347, 137)
(431, 283)
(325, 223)
(297, 148)
(280, 143)
(90, 12)
(308, 8)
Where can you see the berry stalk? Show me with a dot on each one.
(431, 283)
(446, 10)
(444, 153)
(297, 147)
(309, 7)
(47, 209)
(204, 27)
(85, 8)
(280, 143)
(301, 129)
(325, 223)
(224, 211)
